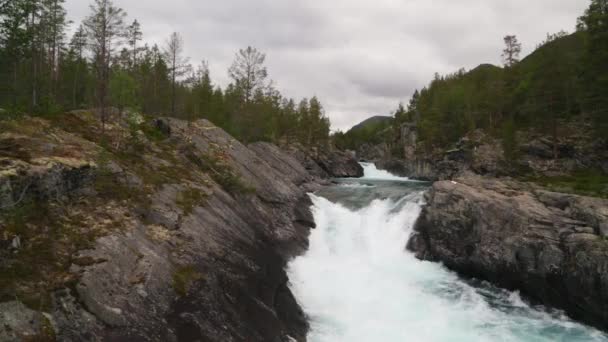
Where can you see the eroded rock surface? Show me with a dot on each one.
(551, 246)
(323, 164)
(177, 232)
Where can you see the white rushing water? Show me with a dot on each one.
(358, 283)
(372, 173)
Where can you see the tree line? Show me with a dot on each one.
(564, 79)
(106, 64)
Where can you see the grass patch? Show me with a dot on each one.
(83, 124)
(109, 187)
(216, 165)
(189, 199)
(592, 183)
(152, 132)
(48, 237)
(184, 277)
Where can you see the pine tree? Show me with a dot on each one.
(511, 52)
(76, 60)
(16, 41)
(134, 36)
(54, 24)
(104, 26)
(178, 64)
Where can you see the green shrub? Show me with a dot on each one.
(592, 183)
(184, 277)
(189, 199)
(215, 164)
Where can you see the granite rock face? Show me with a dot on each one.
(340, 164)
(551, 246)
(187, 237)
(324, 164)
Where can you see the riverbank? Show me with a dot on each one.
(154, 230)
(550, 246)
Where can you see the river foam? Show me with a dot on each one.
(357, 283)
(372, 173)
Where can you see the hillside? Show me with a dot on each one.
(149, 230)
(369, 131)
(542, 92)
(371, 123)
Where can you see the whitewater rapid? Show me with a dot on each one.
(358, 283)
(372, 173)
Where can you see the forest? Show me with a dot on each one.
(564, 80)
(104, 64)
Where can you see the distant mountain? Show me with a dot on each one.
(373, 122)
(370, 131)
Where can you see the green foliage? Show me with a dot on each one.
(536, 93)
(123, 90)
(183, 279)
(583, 182)
(595, 71)
(106, 183)
(216, 164)
(189, 199)
(35, 78)
(509, 142)
(371, 131)
(150, 130)
(48, 238)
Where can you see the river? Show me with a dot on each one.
(358, 283)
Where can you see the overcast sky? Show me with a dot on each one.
(360, 57)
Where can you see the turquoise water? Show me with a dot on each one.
(358, 283)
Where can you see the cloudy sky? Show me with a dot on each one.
(360, 57)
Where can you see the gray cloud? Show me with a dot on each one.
(360, 57)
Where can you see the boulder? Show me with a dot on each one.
(340, 164)
(550, 246)
(324, 164)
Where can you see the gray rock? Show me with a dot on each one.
(159, 274)
(16, 243)
(323, 164)
(545, 244)
(18, 323)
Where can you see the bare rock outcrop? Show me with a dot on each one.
(324, 164)
(173, 232)
(551, 246)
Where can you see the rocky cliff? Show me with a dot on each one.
(149, 231)
(551, 246)
(533, 154)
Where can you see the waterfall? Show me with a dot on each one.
(358, 283)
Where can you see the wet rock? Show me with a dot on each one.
(545, 244)
(340, 165)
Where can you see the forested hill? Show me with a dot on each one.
(540, 91)
(369, 131)
(564, 80)
(373, 121)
